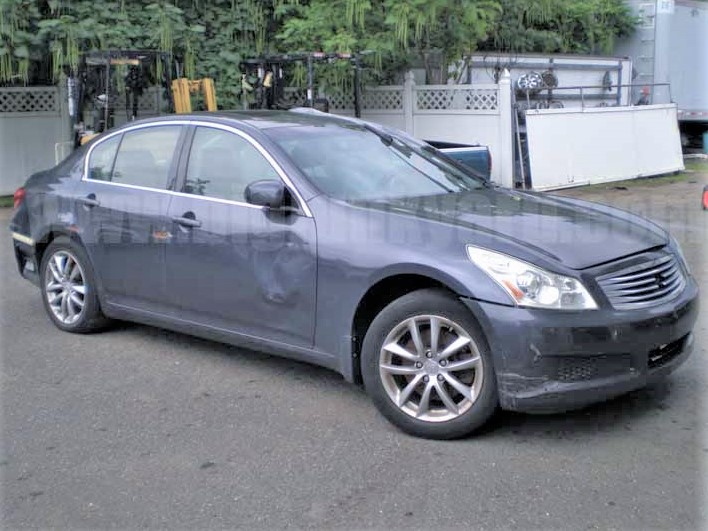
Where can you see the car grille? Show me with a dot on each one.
(649, 283)
(665, 353)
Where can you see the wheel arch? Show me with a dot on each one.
(387, 288)
(92, 317)
(52, 233)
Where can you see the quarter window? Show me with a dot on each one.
(102, 157)
(222, 165)
(145, 156)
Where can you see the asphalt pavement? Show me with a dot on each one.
(143, 428)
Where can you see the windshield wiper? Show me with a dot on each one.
(434, 152)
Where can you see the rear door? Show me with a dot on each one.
(122, 206)
(232, 265)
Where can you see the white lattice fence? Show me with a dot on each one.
(426, 98)
(378, 98)
(46, 100)
(455, 98)
(383, 99)
(29, 100)
(341, 100)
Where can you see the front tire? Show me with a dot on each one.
(427, 367)
(69, 288)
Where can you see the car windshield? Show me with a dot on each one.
(357, 163)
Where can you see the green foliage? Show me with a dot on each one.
(18, 39)
(41, 39)
(398, 33)
(206, 37)
(441, 31)
(560, 26)
(434, 33)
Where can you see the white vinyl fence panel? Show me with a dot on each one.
(479, 114)
(32, 121)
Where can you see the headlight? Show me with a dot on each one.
(679, 253)
(529, 285)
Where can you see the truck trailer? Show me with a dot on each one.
(670, 46)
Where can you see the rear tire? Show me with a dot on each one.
(68, 287)
(427, 367)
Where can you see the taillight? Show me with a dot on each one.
(18, 196)
(705, 198)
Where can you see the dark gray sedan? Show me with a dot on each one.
(356, 247)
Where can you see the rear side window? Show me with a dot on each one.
(139, 158)
(145, 156)
(102, 157)
(222, 164)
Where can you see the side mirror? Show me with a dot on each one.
(271, 193)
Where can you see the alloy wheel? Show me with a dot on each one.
(431, 368)
(65, 287)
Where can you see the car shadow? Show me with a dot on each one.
(620, 413)
(230, 353)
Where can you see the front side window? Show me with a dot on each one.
(102, 157)
(145, 156)
(222, 164)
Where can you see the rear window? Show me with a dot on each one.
(142, 157)
(145, 156)
(102, 157)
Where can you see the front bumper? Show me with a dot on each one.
(551, 361)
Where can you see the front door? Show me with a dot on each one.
(232, 265)
(121, 209)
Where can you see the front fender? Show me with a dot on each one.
(466, 280)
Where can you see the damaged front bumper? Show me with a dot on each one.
(549, 361)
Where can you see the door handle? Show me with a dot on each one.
(187, 221)
(89, 201)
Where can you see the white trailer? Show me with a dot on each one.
(671, 46)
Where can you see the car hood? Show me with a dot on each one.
(576, 233)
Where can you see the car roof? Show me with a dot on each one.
(257, 119)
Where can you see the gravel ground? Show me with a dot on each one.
(143, 428)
